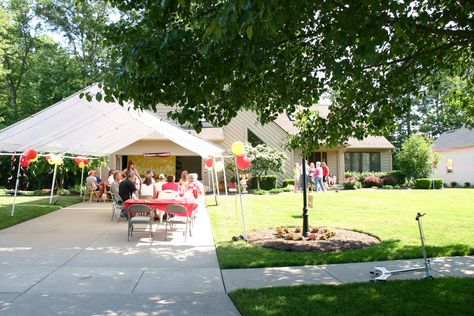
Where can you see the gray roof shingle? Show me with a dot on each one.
(461, 137)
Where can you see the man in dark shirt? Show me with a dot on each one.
(127, 186)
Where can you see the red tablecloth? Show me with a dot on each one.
(190, 204)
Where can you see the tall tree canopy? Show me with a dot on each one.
(212, 58)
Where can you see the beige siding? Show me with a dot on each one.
(332, 161)
(270, 133)
(386, 160)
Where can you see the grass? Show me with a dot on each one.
(387, 214)
(446, 296)
(29, 207)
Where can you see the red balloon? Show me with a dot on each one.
(242, 162)
(209, 162)
(85, 161)
(24, 162)
(78, 160)
(30, 154)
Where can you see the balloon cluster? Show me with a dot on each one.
(81, 161)
(209, 162)
(28, 157)
(54, 159)
(241, 160)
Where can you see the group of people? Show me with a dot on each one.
(128, 184)
(318, 177)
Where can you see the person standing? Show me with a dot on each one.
(311, 170)
(296, 177)
(131, 168)
(183, 182)
(318, 177)
(325, 174)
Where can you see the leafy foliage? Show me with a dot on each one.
(427, 183)
(265, 159)
(415, 157)
(213, 58)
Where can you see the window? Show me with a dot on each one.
(362, 162)
(253, 139)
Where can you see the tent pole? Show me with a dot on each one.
(52, 185)
(209, 181)
(241, 205)
(217, 179)
(225, 179)
(16, 186)
(216, 190)
(82, 177)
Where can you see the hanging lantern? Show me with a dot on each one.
(219, 166)
(238, 148)
(243, 162)
(209, 162)
(24, 162)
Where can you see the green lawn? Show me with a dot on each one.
(387, 214)
(29, 207)
(446, 296)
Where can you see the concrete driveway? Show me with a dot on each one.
(75, 261)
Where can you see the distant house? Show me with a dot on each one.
(456, 150)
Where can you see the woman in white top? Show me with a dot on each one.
(148, 189)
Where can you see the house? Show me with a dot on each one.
(456, 150)
(373, 153)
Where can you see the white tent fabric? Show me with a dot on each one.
(77, 126)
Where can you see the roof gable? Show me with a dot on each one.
(461, 137)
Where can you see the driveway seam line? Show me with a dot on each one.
(138, 281)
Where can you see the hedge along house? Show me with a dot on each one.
(75, 126)
(456, 151)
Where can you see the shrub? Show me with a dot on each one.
(399, 175)
(266, 182)
(425, 183)
(259, 192)
(372, 181)
(454, 184)
(467, 184)
(390, 180)
(397, 187)
(288, 182)
(350, 183)
(415, 157)
(388, 187)
(279, 190)
(438, 183)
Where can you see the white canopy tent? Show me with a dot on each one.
(76, 126)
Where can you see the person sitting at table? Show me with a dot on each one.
(127, 187)
(160, 182)
(170, 184)
(195, 186)
(114, 186)
(148, 190)
(93, 185)
(111, 178)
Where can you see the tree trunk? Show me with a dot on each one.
(258, 182)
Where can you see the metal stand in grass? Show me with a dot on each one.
(382, 273)
(244, 236)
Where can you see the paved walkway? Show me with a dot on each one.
(342, 273)
(75, 261)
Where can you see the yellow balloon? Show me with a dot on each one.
(82, 164)
(238, 148)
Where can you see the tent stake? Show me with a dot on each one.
(16, 186)
(52, 185)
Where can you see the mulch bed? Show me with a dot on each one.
(342, 241)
